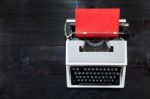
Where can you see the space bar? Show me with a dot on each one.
(95, 84)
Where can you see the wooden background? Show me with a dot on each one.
(32, 49)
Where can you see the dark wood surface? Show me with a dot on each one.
(32, 49)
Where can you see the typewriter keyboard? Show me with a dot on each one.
(90, 75)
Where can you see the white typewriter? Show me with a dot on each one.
(96, 59)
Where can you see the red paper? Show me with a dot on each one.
(97, 22)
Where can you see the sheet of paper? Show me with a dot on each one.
(97, 22)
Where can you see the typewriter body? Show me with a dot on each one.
(96, 57)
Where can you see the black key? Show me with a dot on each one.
(87, 73)
(83, 73)
(79, 73)
(77, 69)
(85, 69)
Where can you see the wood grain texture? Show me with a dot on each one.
(32, 49)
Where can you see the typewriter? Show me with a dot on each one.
(96, 51)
